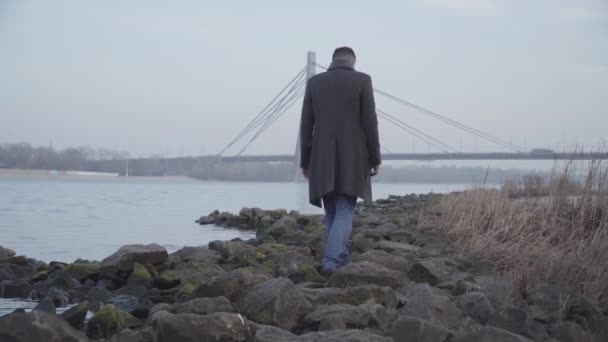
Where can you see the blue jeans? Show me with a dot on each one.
(339, 211)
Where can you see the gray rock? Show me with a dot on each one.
(499, 291)
(357, 295)
(388, 260)
(140, 276)
(475, 305)
(412, 329)
(136, 291)
(59, 297)
(130, 305)
(397, 247)
(6, 253)
(37, 326)
(160, 307)
(76, 315)
(337, 316)
(201, 253)
(19, 288)
(127, 255)
(225, 327)
(98, 294)
(233, 251)
(487, 334)
(284, 226)
(433, 271)
(516, 320)
(107, 322)
(47, 306)
(205, 220)
(570, 332)
(204, 306)
(276, 301)
(366, 273)
(362, 244)
(429, 304)
(562, 303)
(272, 334)
(227, 284)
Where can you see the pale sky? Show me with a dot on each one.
(183, 77)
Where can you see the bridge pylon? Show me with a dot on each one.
(311, 70)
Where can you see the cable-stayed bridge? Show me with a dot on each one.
(293, 92)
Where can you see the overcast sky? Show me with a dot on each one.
(183, 77)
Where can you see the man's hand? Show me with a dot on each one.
(306, 173)
(374, 171)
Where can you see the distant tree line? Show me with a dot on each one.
(25, 156)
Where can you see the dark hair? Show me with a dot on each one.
(343, 51)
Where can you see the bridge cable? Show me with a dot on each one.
(263, 113)
(413, 133)
(445, 146)
(447, 120)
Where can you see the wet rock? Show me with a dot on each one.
(432, 271)
(15, 289)
(276, 301)
(127, 255)
(59, 297)
(226, 327)
(475, 305)
(47, 306)
(384, 296)
(204, 306)
(429, 304)
(366, 273)
(516, 320)
(130, 305)
(570, 332)
(107, 322)
(226, 284)
(272, 334)
(561, 303)
(37, 326)
(412, 329)
(487, 333)
(6, 253)
(76, 315)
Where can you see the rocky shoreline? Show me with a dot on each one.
(406, 283)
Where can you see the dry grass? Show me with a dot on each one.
(560, 239)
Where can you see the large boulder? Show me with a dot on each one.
(561, 303)
(127, 255)
(276, 301)
(235, 252)
(227, 284)
(37, 326)
(47, 306)
(190, 272)
(475, 305)
(130, 304)
(516, 320)
(59, 297)
(429, 304)
(272, 334)
(84, 270)
(140, 276)
(204, 306)
(221, 326)
(412, 329)
(432, 270)
(366, 273)
(357, 295)
(488, 333)
(201, 253)
(107, 322)
(286, 225)
(6, 253)
(19, 288)
(388, 260)
(76, 315)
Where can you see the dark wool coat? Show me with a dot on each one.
(339, 133)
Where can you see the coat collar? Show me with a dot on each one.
(341, 64)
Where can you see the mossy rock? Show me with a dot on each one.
(191, 272)
(314, 228)
(41, 275)
(272, 248)
(108, 321)
(83, 270)
(140, 275)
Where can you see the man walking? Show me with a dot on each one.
(340, 148)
